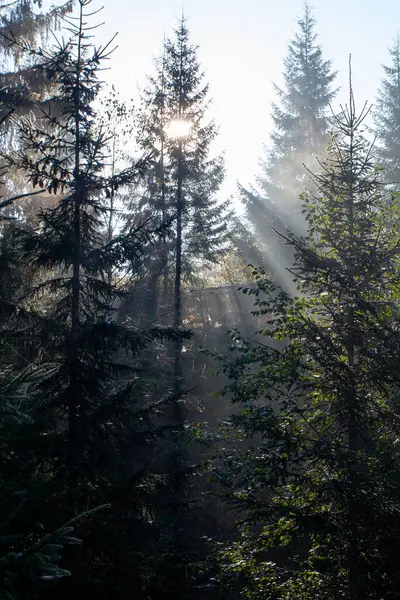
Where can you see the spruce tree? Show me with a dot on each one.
(180, 193)
(23, 87)
(22, 17)
(29, 556)
(180, 190)
(177, 92)
(387, 118)
(317, 483)
(95, 424)
(301, 123)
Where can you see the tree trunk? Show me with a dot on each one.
(74, 402)
(353, 447)
(178, 273)
(354, 557)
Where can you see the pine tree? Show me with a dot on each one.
(29, 557)
(387, 117)
(177, 93)
(22, 86)
(180, 190)
(96, 422)
(180, 193)
(300, 134)
(318, 481)
(21, 18)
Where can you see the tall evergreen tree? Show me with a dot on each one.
(318, 480)
(387, 117)
(177, 93)
(29, 556)
(18, 80)
(180, 190)
(94, 424)
(300, 134)
(23, 88)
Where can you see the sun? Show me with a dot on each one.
(178, 129)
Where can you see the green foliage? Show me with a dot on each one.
(22, 86)
(93, 426)
(301, 133)
(22, 572)
(387, 118)
(26, 22)
(177, 90)
(313, 465)
(28, 556)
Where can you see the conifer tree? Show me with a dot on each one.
(387, 117)
(22, 86)
(179, 191)
(95, 423)
(29, 557)
(317, 484)
(177, 92)
(26, 22)
(300, 134)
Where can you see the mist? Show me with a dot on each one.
(199, 300)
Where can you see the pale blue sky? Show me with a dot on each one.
(242, 45)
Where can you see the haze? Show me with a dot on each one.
(199, 378)
(242, 46)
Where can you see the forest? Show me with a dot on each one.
(199, 394)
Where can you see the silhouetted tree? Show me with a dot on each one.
(177, 92)
(179, 191)
(95, 422)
